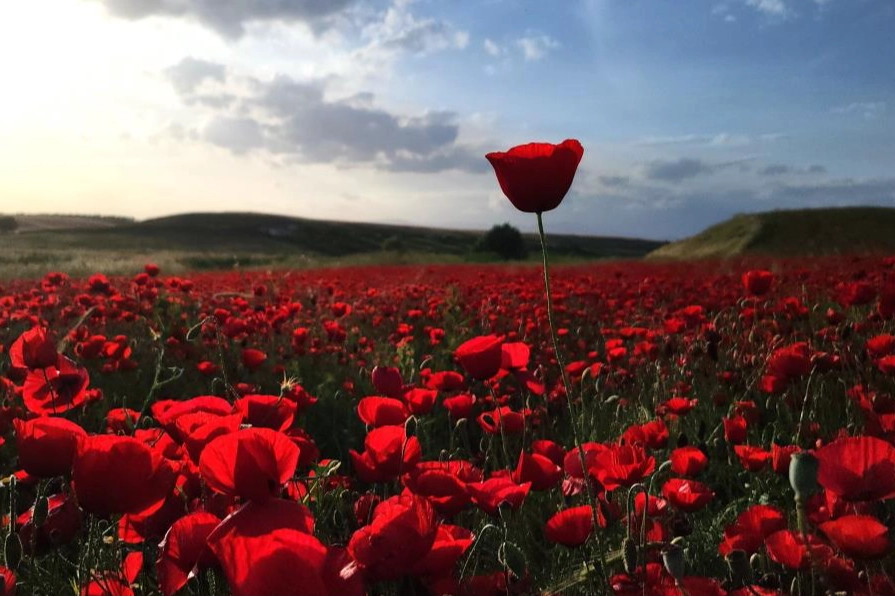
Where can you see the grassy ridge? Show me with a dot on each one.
(225, 240)
(791, 233)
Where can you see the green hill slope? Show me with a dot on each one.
(791, 233)
(225, 240)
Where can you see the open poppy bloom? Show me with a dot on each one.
(570, 527)
(114, 474)
(47, 445)
(57, 388)
(858, 536)
(536, 177)
(858, 468)
(401, 533)
(251, 463)
(481, 356)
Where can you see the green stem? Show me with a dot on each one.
(568, 389)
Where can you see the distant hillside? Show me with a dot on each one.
(790, 233)
(226, 240)
(31, 223)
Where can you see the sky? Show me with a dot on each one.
(689, 111)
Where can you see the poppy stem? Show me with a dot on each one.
(568, 389)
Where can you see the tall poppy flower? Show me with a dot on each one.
(251, 463)
(480, 356)
(536, 177)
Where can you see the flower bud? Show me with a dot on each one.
(629, 555)
(12, 551)
(673, 559)
(740, 568)
(803, 474)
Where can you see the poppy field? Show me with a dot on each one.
(407, 430)
(624, 428)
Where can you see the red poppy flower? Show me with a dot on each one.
(758, 282)
(199, 429)
(401, 533)
(447, 493)
(446, 381)
(788, 549)
(34, 349)
(420, 401)
(498, 491)
(751, 528)
(387, 381)
(512, 422)
(460, 406)
(283, 561)
(781, 457)
(858, 468)
(272, 412)
(166, 412)
(183, 549)
(550, 449)
(251, 463)
(47, 445)
(253, 358)
(859, 536)
(378, 411)
(515, 355)
(55, 389)
(687, 495)
(570, 527)
(790, 362)
(752, 458)
(735, 429)
(622, 466)
(388, 452)
(688, 461)
(114, 474)
(539, 470)
(536, 177)
(480, 356)
(451, 542)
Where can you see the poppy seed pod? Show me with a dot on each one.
(803, 474)
(673, 560)
(740, 567)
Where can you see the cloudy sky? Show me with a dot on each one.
(382, 110)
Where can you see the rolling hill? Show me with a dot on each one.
(791, 233)
(225, 240)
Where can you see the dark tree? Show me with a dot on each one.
(504, 240)
(8, 224)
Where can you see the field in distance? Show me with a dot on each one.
(81, 245)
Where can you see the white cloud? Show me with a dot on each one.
(770, 7)
(492, 48)
(869, 110)
(297, 121)
(229, 18)
(717, 140)
(535, 47)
